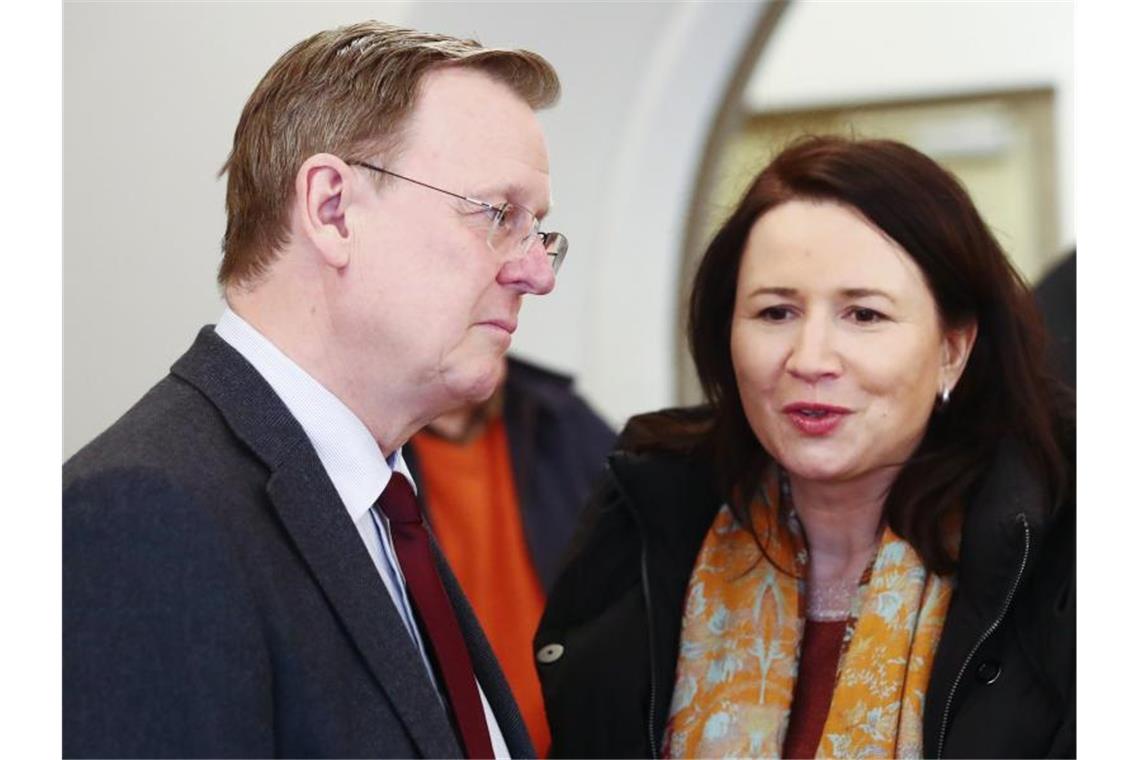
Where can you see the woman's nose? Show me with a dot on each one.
(813, 355)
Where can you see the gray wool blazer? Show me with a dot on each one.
(218, 601)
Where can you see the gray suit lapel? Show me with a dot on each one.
(325, 538)
(331, 547)
(486, 666)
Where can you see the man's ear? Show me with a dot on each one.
(323, 188)
(957, 343)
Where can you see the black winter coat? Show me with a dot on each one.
(1004, 677)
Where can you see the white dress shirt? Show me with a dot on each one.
(354, 463)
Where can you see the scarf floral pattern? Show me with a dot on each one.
(740, 639)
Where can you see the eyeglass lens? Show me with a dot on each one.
(515, 225)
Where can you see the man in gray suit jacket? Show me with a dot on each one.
(232, 583)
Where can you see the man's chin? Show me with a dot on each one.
(475, 383)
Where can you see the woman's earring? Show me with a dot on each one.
(944, 396)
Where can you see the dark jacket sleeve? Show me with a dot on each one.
(1062, 585)
(162, 652)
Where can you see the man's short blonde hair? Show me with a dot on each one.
(346, 91)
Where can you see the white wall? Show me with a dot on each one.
(826, 54)
(152, 93)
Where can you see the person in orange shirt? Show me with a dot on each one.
(502, 483)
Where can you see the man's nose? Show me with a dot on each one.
(529, 271)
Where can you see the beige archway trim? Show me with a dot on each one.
(728, 119)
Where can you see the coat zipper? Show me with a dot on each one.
(652, 654)
(648, 618)
(985, 635)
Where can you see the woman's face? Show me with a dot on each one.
(837, 345)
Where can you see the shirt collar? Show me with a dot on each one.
(348, 452)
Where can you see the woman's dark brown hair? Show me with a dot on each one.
(1006, 389)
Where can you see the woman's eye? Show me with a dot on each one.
(866, 316)
(775, 313)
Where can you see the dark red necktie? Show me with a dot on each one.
(409, 535)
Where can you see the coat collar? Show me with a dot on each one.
(549, 390)
(1002, 536)
(1011, 500)
(672, 495)
(311, 512)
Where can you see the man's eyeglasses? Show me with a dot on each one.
(513, 228)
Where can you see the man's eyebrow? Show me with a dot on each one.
(542, 213)
(512, 192)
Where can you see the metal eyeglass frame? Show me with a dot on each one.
(555, 243)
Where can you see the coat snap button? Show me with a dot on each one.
(989, 671)
(550, 653)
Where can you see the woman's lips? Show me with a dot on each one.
(815, 419)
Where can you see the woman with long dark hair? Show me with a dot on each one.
(863, 545)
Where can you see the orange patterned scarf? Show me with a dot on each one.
(740, 639)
